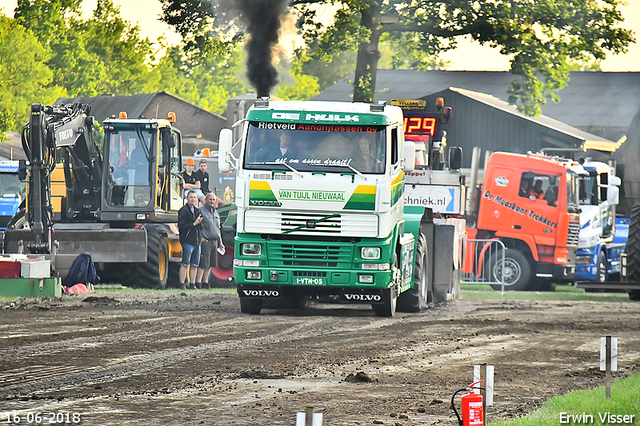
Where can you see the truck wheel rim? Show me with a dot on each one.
(512, 271)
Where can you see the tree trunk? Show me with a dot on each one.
(364, 84)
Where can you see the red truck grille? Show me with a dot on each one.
(573, 234)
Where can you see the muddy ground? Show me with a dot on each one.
(169, 358)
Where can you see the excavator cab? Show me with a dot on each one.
(141, 177)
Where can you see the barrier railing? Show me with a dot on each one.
(484, 262)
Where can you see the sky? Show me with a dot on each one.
(468, 56)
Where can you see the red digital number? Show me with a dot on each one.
(429, 124)
(420, 125)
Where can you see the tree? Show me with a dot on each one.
(539, 37)
(104, 54)
(24, 75)
(300, 86)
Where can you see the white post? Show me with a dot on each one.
(484, 372)
(308, 418)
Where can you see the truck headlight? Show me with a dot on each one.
(370, 253)
(251, 249)
(254, 275)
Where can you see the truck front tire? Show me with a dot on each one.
(416, 298)
(387, 308)
(516, 271)
(250, 305)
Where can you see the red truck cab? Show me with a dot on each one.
(530, 203)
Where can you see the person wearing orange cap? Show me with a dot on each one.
(191, 182)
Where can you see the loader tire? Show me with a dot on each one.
(416, 298)
(633, 246)
(154, 273)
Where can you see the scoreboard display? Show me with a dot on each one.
(422, 126)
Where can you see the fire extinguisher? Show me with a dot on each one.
(471, 406)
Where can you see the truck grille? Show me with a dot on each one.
(294, 254)
(573, 234)
(307, 223)
(343, 225)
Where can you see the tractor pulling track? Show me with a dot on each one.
(164, 358)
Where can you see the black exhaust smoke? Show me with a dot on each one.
(262, 18)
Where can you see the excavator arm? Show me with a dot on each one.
(60, 133)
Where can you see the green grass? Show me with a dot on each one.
(562, 292)
(625, 400)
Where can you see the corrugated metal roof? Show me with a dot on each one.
(548, 122)
(591, 99)
(103, 107)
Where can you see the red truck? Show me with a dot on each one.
(530, 204)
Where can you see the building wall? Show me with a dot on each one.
(474, 123)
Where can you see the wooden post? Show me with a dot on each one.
(308, 411)
(608, 360)
(483, 391)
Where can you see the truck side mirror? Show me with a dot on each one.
(455, 157)
(613, 197)
(22, 170)
(225, 144)
(408, 156)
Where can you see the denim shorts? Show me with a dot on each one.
(198, 192)
(190, 254)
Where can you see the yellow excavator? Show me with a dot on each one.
(119, 203)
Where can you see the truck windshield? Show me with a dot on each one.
(315, 147)
(11, 186)
(129, 160)
(588, 189)
(572, 191)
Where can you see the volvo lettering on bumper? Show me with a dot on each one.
(260, 293)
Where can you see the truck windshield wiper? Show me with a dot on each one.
(275, 163)
(311, 222)
(356, 171)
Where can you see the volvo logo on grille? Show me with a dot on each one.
(311, 224)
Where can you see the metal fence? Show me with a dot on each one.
(484, 262)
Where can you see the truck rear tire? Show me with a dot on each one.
(517, 270)
(416, 298)
(250, 305)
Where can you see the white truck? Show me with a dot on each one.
(602, 235)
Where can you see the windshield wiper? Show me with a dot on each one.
(311, 222)
(356, 171)
(275, 163)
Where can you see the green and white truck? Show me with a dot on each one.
(321, 211)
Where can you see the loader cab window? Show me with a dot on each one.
(539, 187)
(130, 157)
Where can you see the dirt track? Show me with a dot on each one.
(166, 358)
